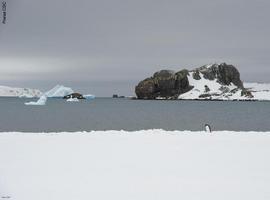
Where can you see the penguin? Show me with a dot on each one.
(207, 128)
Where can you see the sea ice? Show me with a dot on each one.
(89, 96)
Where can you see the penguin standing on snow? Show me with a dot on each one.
(207, 128)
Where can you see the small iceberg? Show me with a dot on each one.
(73, 100)
(60, 91)
(41, 102)
(89, 96)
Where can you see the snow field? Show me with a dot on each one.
(141, 165)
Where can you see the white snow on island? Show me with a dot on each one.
(206, 89)
(58, 91)
(73, 100)
(6, 91)
(144, 165)
(260, 91)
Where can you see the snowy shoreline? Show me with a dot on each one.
(163, 99)
(150, 164)
(146, 131)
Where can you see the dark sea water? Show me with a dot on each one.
(126, 114)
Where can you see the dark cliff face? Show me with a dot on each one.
(165, 84)
(169, 85)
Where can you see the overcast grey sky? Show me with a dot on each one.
(107, 46)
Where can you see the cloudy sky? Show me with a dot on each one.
(107, 46)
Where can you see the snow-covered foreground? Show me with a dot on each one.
(140, 165)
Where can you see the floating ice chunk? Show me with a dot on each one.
(89, 96)
(41, 102)
(59, 91)
(73, 100)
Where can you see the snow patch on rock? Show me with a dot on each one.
(73, 100)
(218, 91)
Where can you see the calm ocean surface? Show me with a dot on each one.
(116, 114)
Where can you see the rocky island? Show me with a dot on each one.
(74, 95)
(209, 82)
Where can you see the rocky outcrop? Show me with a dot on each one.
(163, 84)
(206, 89)
(225, 74)
(223, 82)
(117, 96)
(246, 93)
(74, 95)
(196, 75)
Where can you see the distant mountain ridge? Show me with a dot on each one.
(209, 82)
(6, 91)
